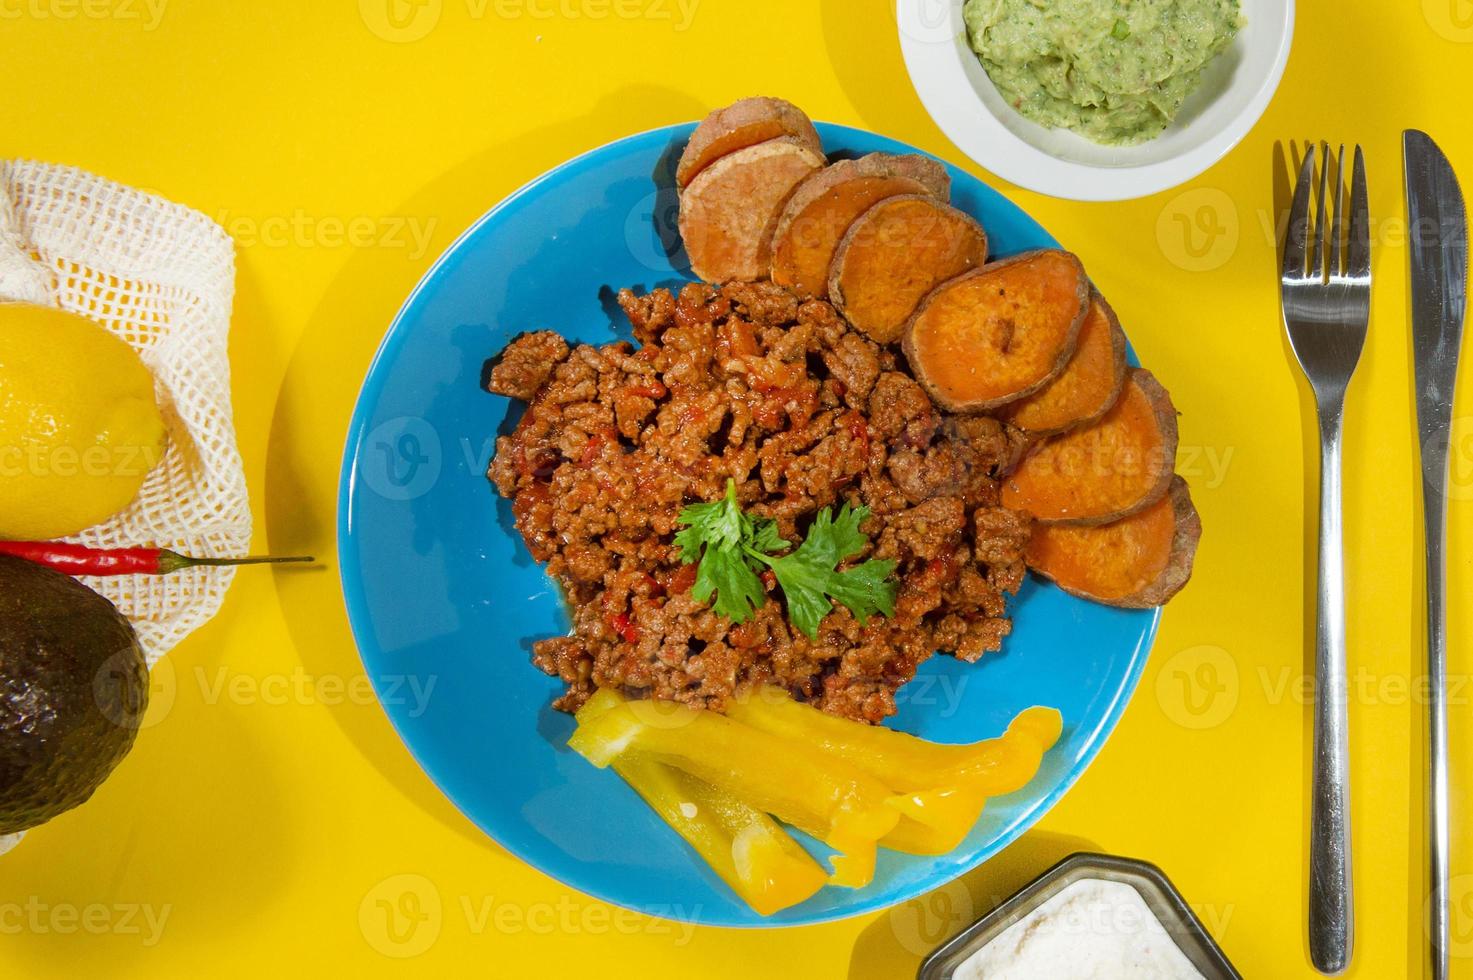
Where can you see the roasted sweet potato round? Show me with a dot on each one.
(1088, 385)
(827, 203)
(740, 125)
(1117, 467)
(728, 213)
(896, 253)
(1000, 332)
(1135, 563)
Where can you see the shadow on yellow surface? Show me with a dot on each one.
(107, 897)
(896, 943)
(872, 72)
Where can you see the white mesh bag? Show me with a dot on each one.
(161, 277)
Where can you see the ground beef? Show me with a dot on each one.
(526, 363)
(747, 383)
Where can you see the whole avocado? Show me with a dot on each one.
(73, 689)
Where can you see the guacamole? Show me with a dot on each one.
(1115, 71)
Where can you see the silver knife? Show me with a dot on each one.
(1439, 260)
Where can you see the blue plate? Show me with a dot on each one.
(440, 589)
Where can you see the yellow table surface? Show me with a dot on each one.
(270, 823)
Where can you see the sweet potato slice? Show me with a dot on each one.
(1000, 332)
(1088, 385)
(728, 213)
(896, 253)
(740, 125)
(824, 206)
(1117, 467)
(1135, 563)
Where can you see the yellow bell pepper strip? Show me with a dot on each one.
(841, 805)
(744, 846)
(936, 821)
(941, 788)
(913, 837)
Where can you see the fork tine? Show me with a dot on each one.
(1336, 252)
(1297, 233)
(1358, 263)
(1316, 262)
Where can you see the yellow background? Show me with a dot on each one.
(269, 808)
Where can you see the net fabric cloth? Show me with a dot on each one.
(161, 277)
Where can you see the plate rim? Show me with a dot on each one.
(359, 616)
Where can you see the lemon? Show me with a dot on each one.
(79, 426)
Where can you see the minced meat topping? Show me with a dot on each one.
(746, 382)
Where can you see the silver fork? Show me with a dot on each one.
(1327, 307)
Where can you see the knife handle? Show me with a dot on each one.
(1434, 509)
(1331, 910)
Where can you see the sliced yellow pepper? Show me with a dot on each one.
(941, 789)
(843, 806)
(744, 846)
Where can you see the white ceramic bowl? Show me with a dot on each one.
(953, 85)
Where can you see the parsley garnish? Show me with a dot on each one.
(733, 547)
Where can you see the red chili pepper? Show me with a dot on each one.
(621, 624)
(74, 559)
(858, 428)
(605, 436)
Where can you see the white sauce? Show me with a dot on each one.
(1092, 930)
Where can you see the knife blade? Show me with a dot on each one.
(1439, 286)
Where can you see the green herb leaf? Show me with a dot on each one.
(717, 525)
(714, 535)
(738, 590)
(766, 540)
(1120, 31)
(810, 579)
(732, 547)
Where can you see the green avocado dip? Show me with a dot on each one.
(1115, 71)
